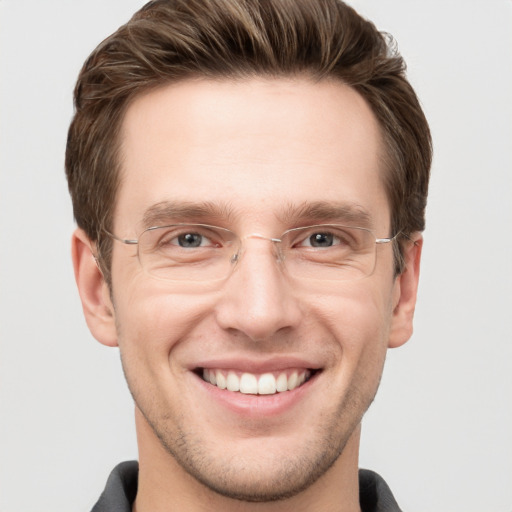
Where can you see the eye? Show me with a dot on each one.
(174, 238)
(184, 241)
(321, 240)
(334, 237)
(191, 240)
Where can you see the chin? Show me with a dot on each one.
(264, 469)
(257, 479)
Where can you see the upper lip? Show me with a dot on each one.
(252, 365)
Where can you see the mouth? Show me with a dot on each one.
(269, 383)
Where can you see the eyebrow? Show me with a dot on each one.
(167, 211)
(327, 212)
(291, 215)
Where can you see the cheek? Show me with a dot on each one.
(151, 327)
(359, 321)
(152, 322)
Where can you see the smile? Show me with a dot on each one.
(253, 384)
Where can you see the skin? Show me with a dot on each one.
(257, 151)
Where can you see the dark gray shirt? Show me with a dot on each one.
(121, 489)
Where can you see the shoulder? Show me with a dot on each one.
(120, 490)
(375, 494)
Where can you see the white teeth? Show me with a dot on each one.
(250, 384)
(233, 382)
(282, 383)
(221, 380)
(267, 384)
(292, 381)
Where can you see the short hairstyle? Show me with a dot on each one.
(171, 40)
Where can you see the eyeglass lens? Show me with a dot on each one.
(197, 252)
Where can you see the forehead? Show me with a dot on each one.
(251, 148)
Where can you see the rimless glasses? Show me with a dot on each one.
(200, 252)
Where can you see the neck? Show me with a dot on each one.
(164, 486)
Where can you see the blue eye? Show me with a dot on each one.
(188, 240)
(321, 240)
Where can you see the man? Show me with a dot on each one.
(249, 180)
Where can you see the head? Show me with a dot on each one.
(169, 41)
(257, 117)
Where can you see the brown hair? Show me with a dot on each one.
(169, 40)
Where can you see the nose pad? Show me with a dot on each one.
(235, 258)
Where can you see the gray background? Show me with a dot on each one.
(440, 430)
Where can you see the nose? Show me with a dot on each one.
(258, 300)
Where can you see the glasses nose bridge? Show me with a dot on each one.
(241, 249)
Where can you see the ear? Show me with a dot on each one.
(94, 292)
(406, 287)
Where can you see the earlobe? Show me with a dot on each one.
(94, 293)
(406, 287)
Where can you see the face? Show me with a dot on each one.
(256, 156)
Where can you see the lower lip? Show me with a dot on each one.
(257, 405)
